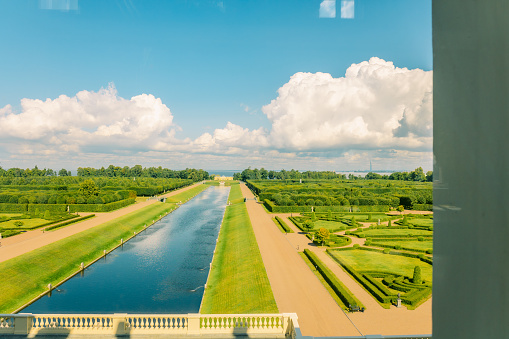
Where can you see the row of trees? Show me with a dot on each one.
(258, 174)
(111, 171)
(138, 171)
(34, 172)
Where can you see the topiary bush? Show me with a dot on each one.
(417, 279)
(387, 250)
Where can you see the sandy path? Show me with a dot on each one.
(295, 287)
(376, 319)
(29, 241)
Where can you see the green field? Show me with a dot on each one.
(26, 276)
(421, 222)
(395, 232)
(238, 281)
(363, 261)
(330, 225)
(27, 223)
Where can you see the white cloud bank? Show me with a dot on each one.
(376, 107)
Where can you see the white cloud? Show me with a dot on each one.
(89, 118)
(376, 111)
(327, 9)
(375, 105)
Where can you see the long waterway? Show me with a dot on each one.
(161, 270)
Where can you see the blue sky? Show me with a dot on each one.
(206, 73)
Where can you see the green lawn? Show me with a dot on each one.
(330, 225)
(26, 276)
(186, 195)
(373, 261)
(238, 281)
(396, 232)
(411, 245)
(27, 223)
(421, 222)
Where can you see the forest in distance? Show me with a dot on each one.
(259, 174)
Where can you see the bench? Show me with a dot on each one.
(355, 308)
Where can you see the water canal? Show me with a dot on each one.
(161, 270)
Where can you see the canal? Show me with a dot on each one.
(161, 270)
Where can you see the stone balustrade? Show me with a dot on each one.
(263, 325)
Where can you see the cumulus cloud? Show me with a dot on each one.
(89, 118)
(376, 110)
(375, 105)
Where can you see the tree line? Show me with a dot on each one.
(258, 174)
(111, 171)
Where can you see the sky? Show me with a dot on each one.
(279, 84)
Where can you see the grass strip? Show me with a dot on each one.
(186, 195)
(238, 282)
(25, 277)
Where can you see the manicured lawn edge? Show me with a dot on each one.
(25, 278)
(70, 222)
(237, 282)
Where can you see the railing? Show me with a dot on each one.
(272, 325)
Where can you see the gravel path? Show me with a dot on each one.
(31, 240)
(296, 288)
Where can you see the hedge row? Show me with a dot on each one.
(22, 208)
(337, 286)
(394, 247)
(271, 207)
(422, 207)
(53, 208)
(297, 224)
(101, 207)
(68, 222)
(283, 225)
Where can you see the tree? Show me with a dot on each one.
(401, 208)
(88, 188)
(323, 234)
(329, 215)
(417, 279)
(64, 173)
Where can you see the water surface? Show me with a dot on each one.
(161, 270)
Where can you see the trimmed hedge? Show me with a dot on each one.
(101, 207)
(53, 208)
(283, 225)
(69, 222)
(422, 207)
(337, 286)
(13, 208)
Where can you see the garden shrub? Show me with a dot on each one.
(356, 246)
(417, 279)
(387, 251)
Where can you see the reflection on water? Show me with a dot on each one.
(162, 270)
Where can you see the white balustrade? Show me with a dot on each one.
(275, 325)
